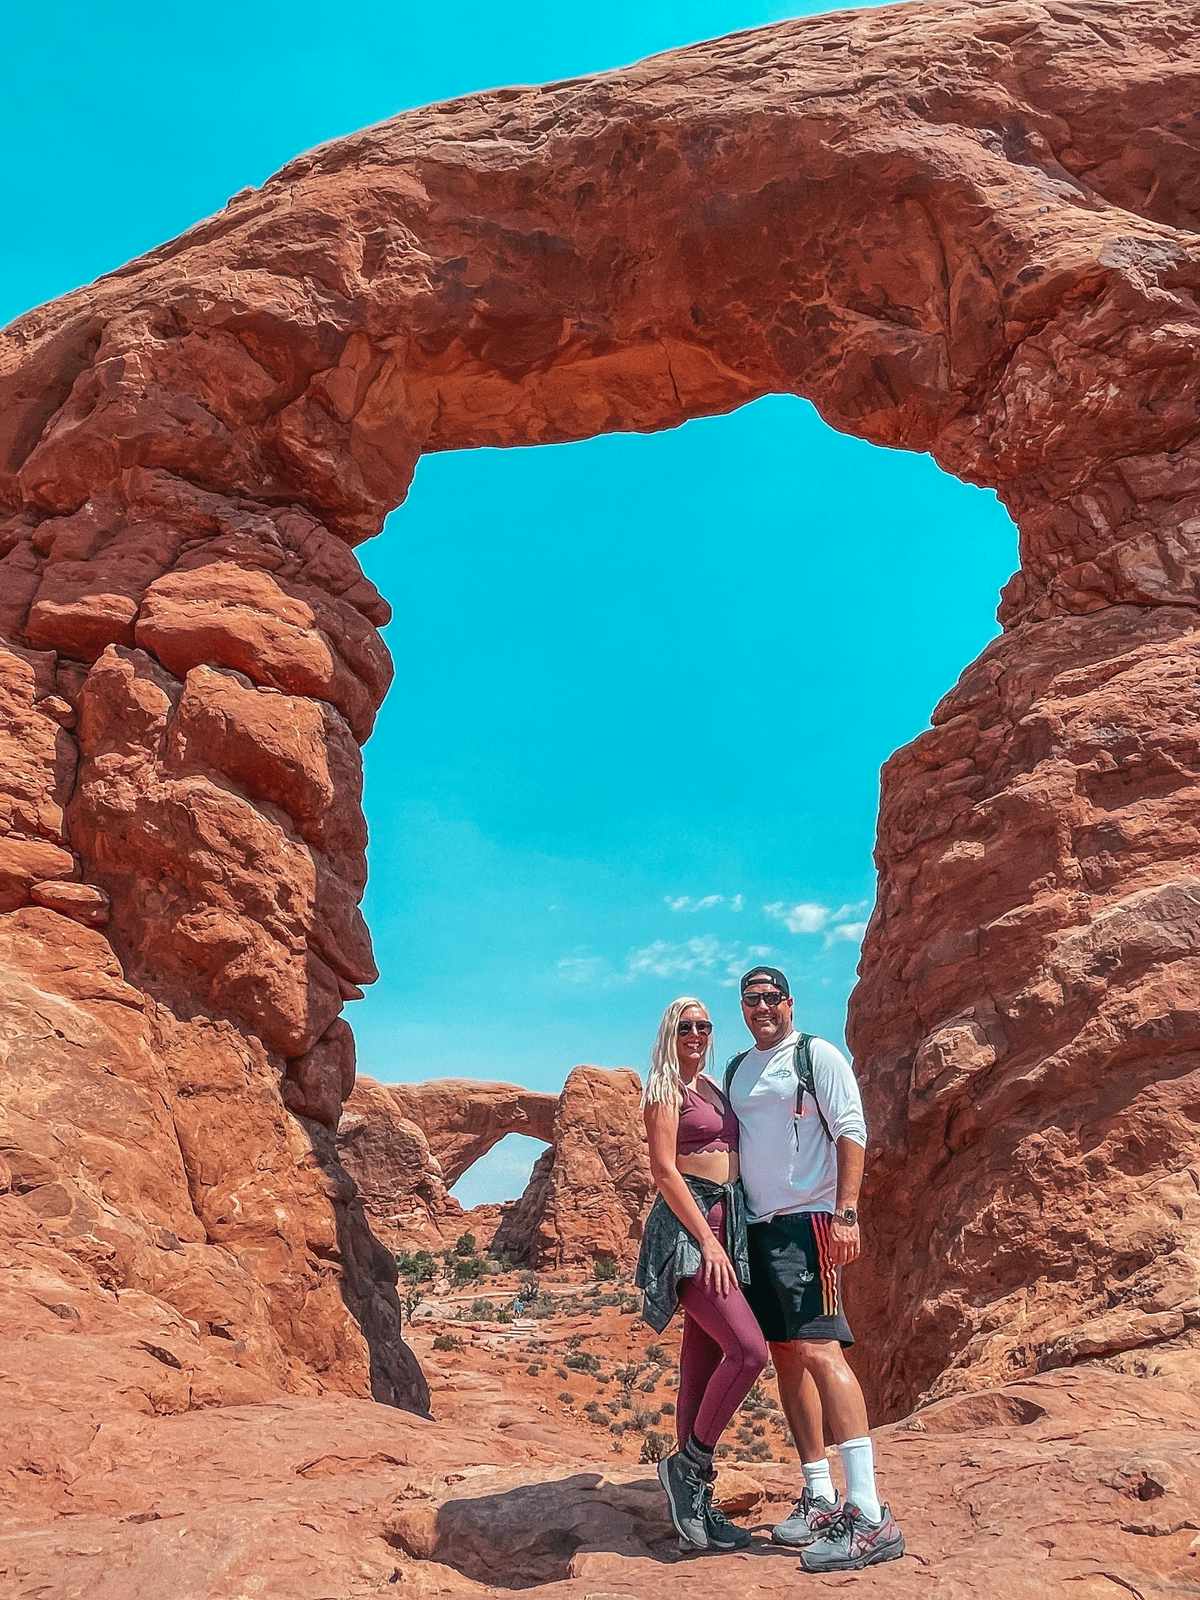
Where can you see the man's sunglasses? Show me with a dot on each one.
(694, 1027)
(766, 997)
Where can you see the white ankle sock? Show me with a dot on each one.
(858, 1462)
(818, 1480)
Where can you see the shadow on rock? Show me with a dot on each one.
(368, 1285)
(518, 1535)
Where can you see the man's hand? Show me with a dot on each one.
(845, 1245)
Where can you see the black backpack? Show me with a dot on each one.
(804, 1078)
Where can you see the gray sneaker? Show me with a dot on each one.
(851, 1542)
(686, 1497)
(806, 1521)
(722, 1534)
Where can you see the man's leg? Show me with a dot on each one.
(801, 1402)
(841, 1401)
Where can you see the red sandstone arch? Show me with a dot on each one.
(962, 229)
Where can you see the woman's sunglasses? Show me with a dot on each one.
(694, 1027)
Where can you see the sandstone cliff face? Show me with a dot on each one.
(962, 229)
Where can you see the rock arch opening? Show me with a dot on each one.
(967, 240)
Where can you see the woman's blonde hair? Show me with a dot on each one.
(664, 1086)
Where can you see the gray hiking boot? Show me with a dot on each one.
(722, 1534)
(851, 1542)
(806, 1521)
(686, 1497)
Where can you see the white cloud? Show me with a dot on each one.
(847, 930)
(854, 909)
(806, 917)
(582, 968)
(708, 902)
(705, 955)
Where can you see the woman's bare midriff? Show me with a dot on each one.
(718, 1166)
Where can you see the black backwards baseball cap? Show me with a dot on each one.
(776, 977)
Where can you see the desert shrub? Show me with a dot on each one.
(417, 1264)
(667, 1408)
(656, 1352)
(656, 1445)
(758, 1429)
(529, 1288)
(447, 1341)
(541, 1306)
(503, 1314)
(466, 1245)
(466, 1269)
(723, 1450)
(532, 1370)
(648, 1386)
(604, 1269)
(628, 1304)
(574, 1340)
(755, 1395)
(616, 1429)
(641, 1420)
(483, 1310)
(760, 1451)
(581, 1361)
(566, 1397)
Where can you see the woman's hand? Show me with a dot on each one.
(716, 1269)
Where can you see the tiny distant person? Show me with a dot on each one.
(693, 1255)
(803, 1148)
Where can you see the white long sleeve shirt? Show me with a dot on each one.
(787, 1163)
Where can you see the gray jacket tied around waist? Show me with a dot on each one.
(669, 1253)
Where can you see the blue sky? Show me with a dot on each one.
(644, 685)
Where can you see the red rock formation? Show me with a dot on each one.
(463, 1118)
(404, 1144)
(961, 229)
(400, 1180)
(588, 1194)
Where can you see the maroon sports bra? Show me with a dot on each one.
(702, 1128)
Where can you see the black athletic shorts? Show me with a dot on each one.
(795, 1290)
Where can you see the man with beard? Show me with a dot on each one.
(803, 1145)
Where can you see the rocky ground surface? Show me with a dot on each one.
(1082, 1483)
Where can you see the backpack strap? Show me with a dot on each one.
(804, 1080)
(731, 1067)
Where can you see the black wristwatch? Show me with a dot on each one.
(848, 1215)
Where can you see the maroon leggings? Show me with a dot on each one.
(723, 1351)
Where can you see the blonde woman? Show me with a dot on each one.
(694, 1255)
